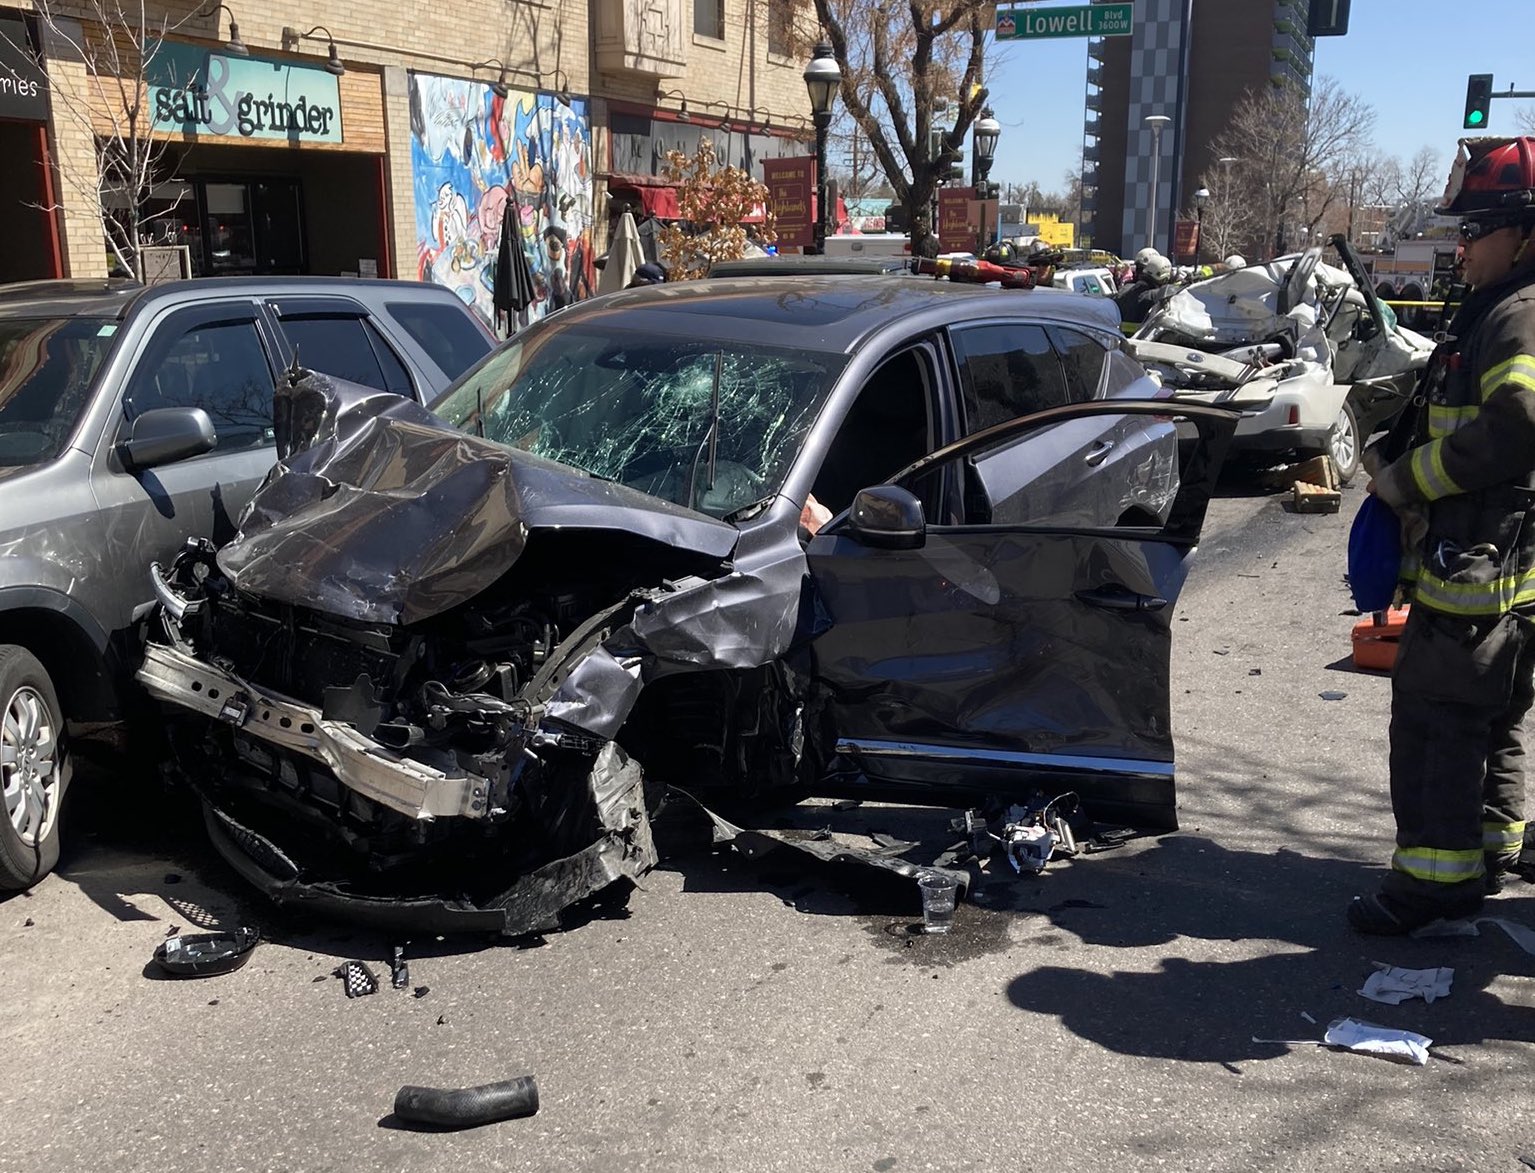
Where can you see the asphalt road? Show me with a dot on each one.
(762, 1016)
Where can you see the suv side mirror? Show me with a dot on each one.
(888, 517)
(166, 434)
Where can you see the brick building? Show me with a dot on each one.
(381, 137)
(1192, 61)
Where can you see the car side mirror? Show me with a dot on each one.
(166, 434)
(888, 517)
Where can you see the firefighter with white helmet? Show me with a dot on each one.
(1465, 672)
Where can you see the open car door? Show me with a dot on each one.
(968, 658)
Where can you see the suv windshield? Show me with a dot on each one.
(636, 408)
(46, 369)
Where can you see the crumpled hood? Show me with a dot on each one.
(379, 511)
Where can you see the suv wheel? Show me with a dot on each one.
(34, 770)
(1344, 444)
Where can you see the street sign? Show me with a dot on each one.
(791, 195)
(1327, 18)
(955, 232)
(1095, 20)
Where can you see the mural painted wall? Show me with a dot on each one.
(477, 158)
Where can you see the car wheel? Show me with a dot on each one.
(1344, 444)
(34, 770)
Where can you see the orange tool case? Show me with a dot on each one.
(1376, 637)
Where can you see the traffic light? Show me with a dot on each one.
(1327, 18)
(957, 168)
(1478, 99)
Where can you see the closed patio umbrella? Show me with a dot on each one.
(624, 256)
(513, 290)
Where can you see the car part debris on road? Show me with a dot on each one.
(399, 971)
(206, 954)
(467, 1107)
(357, 979)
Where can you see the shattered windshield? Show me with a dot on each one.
(639, 409)
(46, 369)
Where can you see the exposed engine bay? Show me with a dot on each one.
(479, 737)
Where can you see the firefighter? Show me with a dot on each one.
(1465, 671)
(1153, 272)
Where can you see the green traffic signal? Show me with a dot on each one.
(1478, 99)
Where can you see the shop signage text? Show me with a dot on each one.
(23, 85)
(790, 184)
(1099, 20)
(955, 234)
(201, 93)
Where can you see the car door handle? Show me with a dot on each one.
(1097, 452)
(1114, 597)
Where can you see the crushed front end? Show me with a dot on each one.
(399, 689)
(430, 791)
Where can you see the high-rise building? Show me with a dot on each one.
(1191, 61)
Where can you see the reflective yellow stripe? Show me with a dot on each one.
(1475, 598)
(1437, 865)
(1442, 421)
(1502, 838)
(1519, 370)
(1427, 465)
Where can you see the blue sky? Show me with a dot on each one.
(1409, 59)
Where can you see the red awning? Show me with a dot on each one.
(657, 197)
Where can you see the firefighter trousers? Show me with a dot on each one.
(1459, 694)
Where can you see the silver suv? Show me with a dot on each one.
(133, 418)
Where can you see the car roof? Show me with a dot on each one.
(797, 266)
(115, 297)
(825, 313)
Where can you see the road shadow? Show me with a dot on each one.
(1286, 906)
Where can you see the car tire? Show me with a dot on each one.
(1345, 445)
(34, 769)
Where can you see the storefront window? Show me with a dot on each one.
(228, 227)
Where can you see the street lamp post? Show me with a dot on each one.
(1201, 198)
(984, 136)
(822, 80)
(1156, 122)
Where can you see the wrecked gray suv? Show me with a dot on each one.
(447, 669)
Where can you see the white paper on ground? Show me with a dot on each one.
(1393, 985)
(1519, 934)
(1370, 1039)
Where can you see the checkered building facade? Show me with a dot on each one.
(1192, 61)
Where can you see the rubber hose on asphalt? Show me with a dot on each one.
(466, 1107)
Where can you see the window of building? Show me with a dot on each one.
(780, 14)
(709, 18)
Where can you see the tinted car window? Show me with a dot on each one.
(221, 368)
(447, 334)
(46, 368)
(396, 377)
(1007, 371)
(1082, 357)
(347, 348)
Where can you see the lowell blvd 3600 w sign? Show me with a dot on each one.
(1097, 20)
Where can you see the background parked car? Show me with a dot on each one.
(132, 418)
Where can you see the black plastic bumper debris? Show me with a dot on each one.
(206, 954)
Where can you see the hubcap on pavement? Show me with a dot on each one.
(28, 765)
